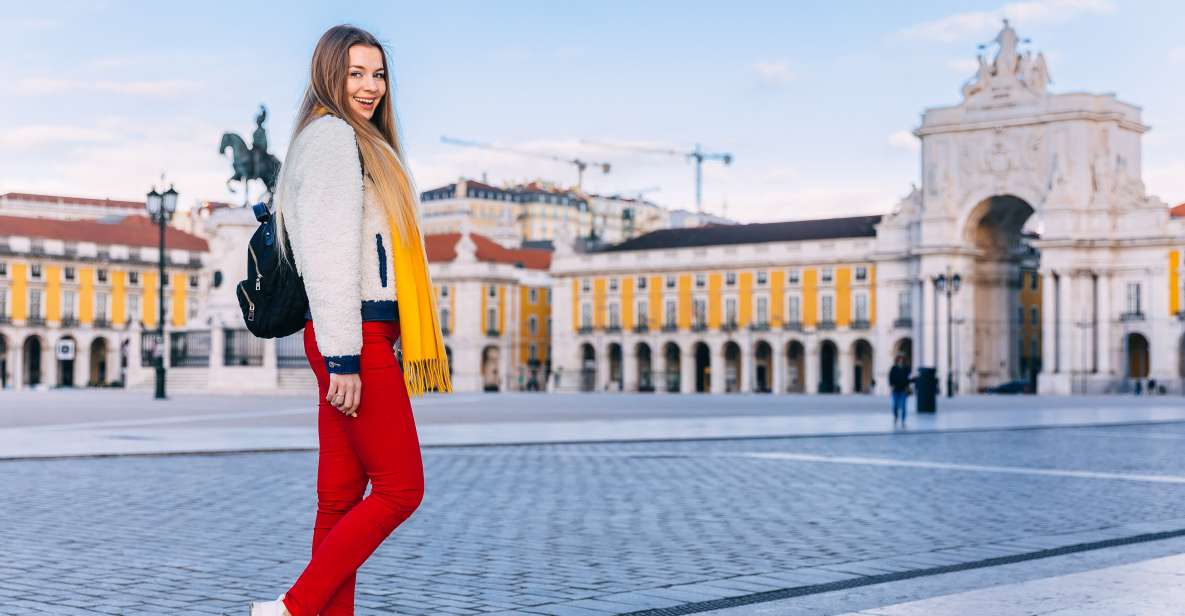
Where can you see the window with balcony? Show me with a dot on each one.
(614, 316)
(492, 321)
(68, 299)
(586, 315)
(443, 290)
(904, 305)
(533, 325)
(762, 310)
(133, 307)
(35, 304)
(642, 316)
(1134, 308)
(827, 308)
(699, 307)
(492, 291)
(444, 320)
(670, 313)
(730, 312)
(794, 309)
(533, 296)
(861, 310)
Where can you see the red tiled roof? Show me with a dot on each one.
(442, 248)
(138, 205)
(1178, 211)
(130, 231)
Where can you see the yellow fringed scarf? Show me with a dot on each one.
(425, 363)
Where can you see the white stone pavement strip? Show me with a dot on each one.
(154, 435)
(980, 468)
(1153, 587)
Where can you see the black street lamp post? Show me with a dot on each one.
(160, 207)
(946, 283)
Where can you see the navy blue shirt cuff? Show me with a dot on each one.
(343, 364)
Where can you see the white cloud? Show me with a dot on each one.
(905, 140)
(980, 24)
(38, 135)
(163, 88)
(773, 72)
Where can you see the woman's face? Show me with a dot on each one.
(366, 80)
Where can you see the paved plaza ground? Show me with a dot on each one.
(878, 522)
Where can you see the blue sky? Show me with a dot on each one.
(815, 100)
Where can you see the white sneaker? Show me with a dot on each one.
(270, 608)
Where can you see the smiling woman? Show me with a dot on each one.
(367, 81)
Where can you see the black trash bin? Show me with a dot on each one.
(927, 390)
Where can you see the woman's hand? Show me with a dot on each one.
(345, 393)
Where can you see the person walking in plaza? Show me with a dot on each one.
(347, 203)
(899, 384)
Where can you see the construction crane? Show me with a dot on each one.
(580, 164)
(698, 155)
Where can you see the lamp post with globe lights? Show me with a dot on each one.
(949, 284)
(160, 208)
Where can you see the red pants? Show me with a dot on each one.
(381, 446)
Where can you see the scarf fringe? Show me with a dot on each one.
(425, 375)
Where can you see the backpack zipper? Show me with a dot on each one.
(258, 275)
(250, 304)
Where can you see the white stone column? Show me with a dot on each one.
(1048, 328)
(778, 367)
(629, 367)
(845, 368)
(747, 366)
(717, 371)
(1105, 319)
(810, 365)
(1066, 324)
(687, 374)
(17, 363)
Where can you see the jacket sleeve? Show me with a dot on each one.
(329, 203)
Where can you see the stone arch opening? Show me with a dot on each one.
(1136, 346)
(64, 353)
(615, 371)
(862, 367)
(98, 362)
(763, 367)
(795, 367)
(703, 368)
(828, 384)
(588, 367)
(1002, 229)
(31, 361)
(645, 367)
(732, 367)
(672, 366)
(491, 377)
(3, 362)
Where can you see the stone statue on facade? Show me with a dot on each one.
(1009, 72)
(252, 163)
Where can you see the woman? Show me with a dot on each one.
(348, 206)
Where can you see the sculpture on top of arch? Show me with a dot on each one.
(1010, 72)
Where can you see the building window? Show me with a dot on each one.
(670, 313)
(133, 277)
(191, 308)
(1020, 315)
(762, 277)
(547, 296)
(614, 315)
(792, 277)
(3, 268)
(861, 307)
(586, 315)
(670, 282)
(35, 303)
(762, 310)
(3, 302)
(826, 274)
(444, 318)
(904, 305)
(491, 319)
(35, 271)
(1133, 298)
(444, 291)
(532, 353)
(533, 296)
(730, 278)
(613, 283)
(193, 281)
(492, 291)
(641, 282)
(102, 275)
(533, 325)
(700, 280)
(794, 309)
(1033, 315)
(861, 272)
(699, 308)
(827, 308)
(133, 307)
(730, 310)
(642, 317)
(585, 285)
(68, 298)
(68, 273)
(1033, 280)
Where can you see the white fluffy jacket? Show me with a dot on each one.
(340, 239)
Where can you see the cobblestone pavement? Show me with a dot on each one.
(581, 529)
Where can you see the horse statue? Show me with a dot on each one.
(251, 163)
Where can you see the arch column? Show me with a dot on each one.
(1105, 343)
(810, 366)
(17, 363)
(629, 367)
(716, 382)
(778, 366)
(687, 369)
(843, 372)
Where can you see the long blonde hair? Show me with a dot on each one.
(379, 145)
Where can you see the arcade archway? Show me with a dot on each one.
(1137, 356)
(795, 367)
(763, 367)
(672, 367)
(588, 367)
(703, 368)
(645, 379)
(827, 356)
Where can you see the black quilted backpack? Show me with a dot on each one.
(272, 298)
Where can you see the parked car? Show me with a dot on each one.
(1011, 387)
